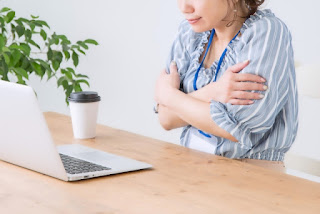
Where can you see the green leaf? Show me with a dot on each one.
(5, 71)
(77, 87)
(20, 30)
(69, 90)
(83, 81)
(34, 17)
(81, 75)
(13, 31)
(43, 34)
(81, 51)
(65, 42)
(2, 41)
(49, 73)
(43, 63)
(77, 48)
(57, 56)
(33, 43)
(1, 21)
(25, 63)
(6, 58)
(16, 55)
(56, 59)
(66, 55)
(20, 79)
(28, 34)
(25, 48)
(14, 46)
(23, 20)
(71, 71)
(65, 83)
(32, 26)
(10, 16)
(60, 80)
(2, 73)
(19, 22)
(91, 41)
(54, 39)
(22, 72)
(55, 65)
(5, 49)
(37, 68)
(75, 59)
(82, 44)
(68, 75)
(50, 54)
(65, 47)
(3, 30)
(4, 9)
(41, 23)
(63, 38)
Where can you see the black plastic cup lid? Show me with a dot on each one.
(84, 97)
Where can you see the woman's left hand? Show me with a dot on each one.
(166, 83)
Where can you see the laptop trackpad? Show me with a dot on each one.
(87, 154)
(96, 156)
(101, 157)
(93, 156)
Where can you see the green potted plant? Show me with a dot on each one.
(28, 48)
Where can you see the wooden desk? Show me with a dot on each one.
(182, 181)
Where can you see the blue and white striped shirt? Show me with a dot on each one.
(267, 128)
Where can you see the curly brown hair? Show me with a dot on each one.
(252, 5)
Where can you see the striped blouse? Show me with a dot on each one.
(266, 129)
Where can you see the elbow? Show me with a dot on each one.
(230, 137)
(233, 139)
(166, 125)
(164, 119)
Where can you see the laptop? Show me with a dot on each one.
(25, 141)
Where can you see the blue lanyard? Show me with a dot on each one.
(219, 63)
(217, 71)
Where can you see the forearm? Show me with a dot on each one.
(168, 119)
(195, 113)
(202, 93)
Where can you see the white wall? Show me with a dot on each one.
(134, 38)
(302, 18)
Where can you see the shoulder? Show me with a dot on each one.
(184, 26)
(184, 31)
(265, 25)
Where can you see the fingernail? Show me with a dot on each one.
(261, 96)
(265, 87)
(263, 80)
(246, 61)
(251, 102)
(173, 63)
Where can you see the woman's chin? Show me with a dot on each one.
(198, 29)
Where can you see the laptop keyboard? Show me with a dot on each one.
(76, 166)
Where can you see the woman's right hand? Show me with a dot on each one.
(234, 87)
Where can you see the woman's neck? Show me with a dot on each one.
(225, 34)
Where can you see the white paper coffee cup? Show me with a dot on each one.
(84, 108)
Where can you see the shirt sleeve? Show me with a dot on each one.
(268, 47)
(179, 50)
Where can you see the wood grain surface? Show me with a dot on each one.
(181, 181)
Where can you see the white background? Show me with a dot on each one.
(135, 37)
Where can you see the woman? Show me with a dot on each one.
(231, 82)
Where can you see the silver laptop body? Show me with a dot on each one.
(26, 141)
